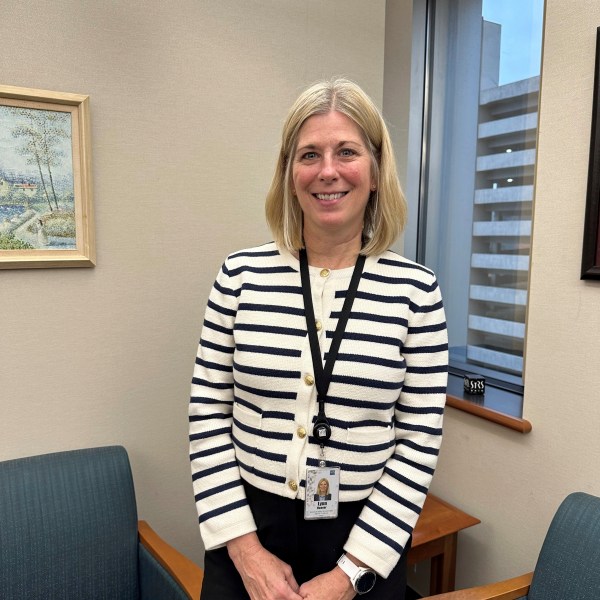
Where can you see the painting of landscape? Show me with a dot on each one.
(37, 208)
(46, 217)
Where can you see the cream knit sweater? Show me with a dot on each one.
(254, 399)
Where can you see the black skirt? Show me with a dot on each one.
(309, 547)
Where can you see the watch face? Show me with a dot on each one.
(365, 582)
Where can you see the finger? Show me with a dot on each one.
(291, 580)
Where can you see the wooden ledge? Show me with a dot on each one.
(516, 423)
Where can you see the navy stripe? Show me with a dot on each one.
(368, 383)
(359, 449)
(266, 393)
(415, 308)
(216, 327)
(424, 449)
(248, 405)
(344, 425)
(278, 414)
(388, 516)
(395, 497)
(362, 316)
(270, 308)
(347, 426)
(371, 360)
(261, 474)
(404, 265)
(209, 434)
(413, 464)
(264, 270)
(254, 254)
(200, 418)
(425, 349)
(314, 462)
(272, 435)
(406, 481)
(257, 452)
(418, 428)
(220, 309)
(376, 297)
(212, 384)
(219, 511)
(217, 490)
(213, 365)
(216, 469)
(426, 287)
(211, 451)
(411, 389)
(427, 328)
(226, 291)
(283, 289)
(204, 400)
(366, 337)
(268, 350)
(383, 538)
(353, 487)
(421, 410)
(269, 329)
(424, 370)
(266, 372)
(217, 347)
(350, 403)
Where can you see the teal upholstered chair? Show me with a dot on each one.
(69, 531)
(568, 567)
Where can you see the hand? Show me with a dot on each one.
(333, 585)
(265, 576)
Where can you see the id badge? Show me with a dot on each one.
(322, 493)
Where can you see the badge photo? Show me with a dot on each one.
(322, 492)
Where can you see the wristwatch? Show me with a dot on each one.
(362, 578)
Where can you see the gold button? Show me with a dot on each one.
(325, 272)
(293, 486)
(309, 379)
(318, 325)
(301, 432)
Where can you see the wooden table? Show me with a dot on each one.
(435, 537)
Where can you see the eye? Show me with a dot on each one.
(309, 156)
(347, 152)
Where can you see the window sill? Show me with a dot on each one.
(498, 406)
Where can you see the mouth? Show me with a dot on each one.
(328, 197)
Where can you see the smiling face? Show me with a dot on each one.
(332, 176)
(323, 487)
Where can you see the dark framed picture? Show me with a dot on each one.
(590, 261)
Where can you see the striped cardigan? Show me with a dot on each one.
(254, 399)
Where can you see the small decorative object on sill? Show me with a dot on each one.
(474, 384)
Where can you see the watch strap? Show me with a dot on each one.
(362, 578)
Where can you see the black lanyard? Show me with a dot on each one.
(321, 429)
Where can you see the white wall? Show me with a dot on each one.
(187, 102)
(515, 482)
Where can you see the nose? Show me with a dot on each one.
(328, 168)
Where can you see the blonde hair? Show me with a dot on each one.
(386, 211)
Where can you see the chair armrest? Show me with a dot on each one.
(187, 573)
(509, 589)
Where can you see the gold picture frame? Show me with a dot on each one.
(46, 217)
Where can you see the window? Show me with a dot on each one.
(472, 147)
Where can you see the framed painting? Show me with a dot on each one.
(45, 186)
(590, 261)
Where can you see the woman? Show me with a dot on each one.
(322, 491)
(267, 419)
